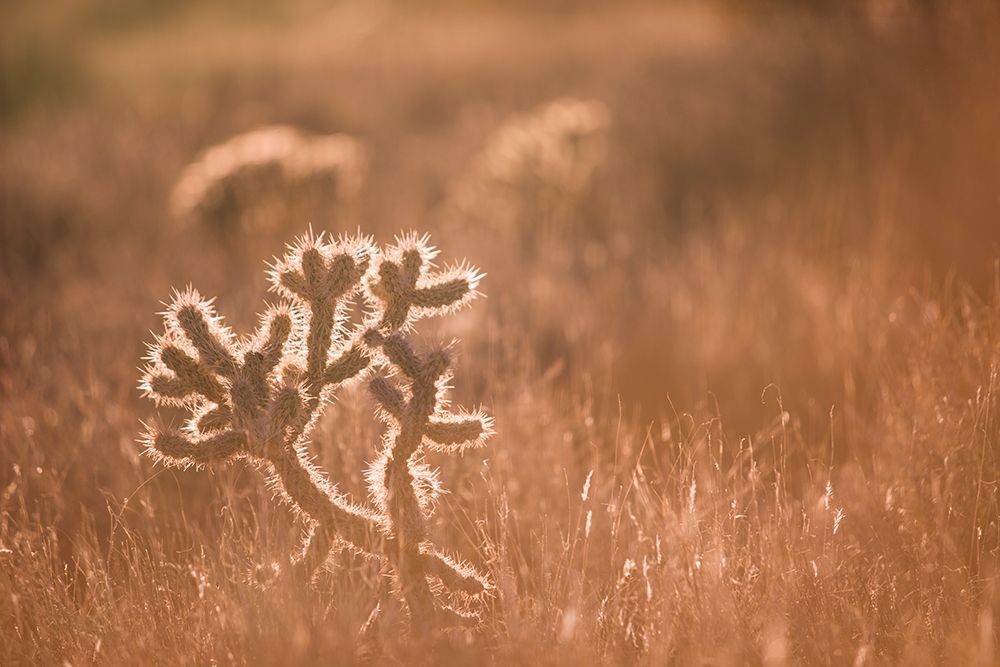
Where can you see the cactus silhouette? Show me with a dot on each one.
(531, 172)
(255, 180)
(258, 397)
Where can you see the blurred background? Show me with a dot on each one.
(790, 198)
(807, 139)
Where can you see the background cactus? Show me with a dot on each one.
(526, 180)
(255, 180)
(258, 397)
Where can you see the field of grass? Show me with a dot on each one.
(745, 381)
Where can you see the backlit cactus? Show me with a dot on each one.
(558, 144)
(269, 174)
(531, 171)
(258, 397)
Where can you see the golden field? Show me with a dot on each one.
(744, 374)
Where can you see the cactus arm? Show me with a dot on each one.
(174, 448)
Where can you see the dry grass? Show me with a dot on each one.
(746, 386)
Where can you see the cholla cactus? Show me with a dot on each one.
(258, 398)
(533, 167)
(558, 144)
(271, 173)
